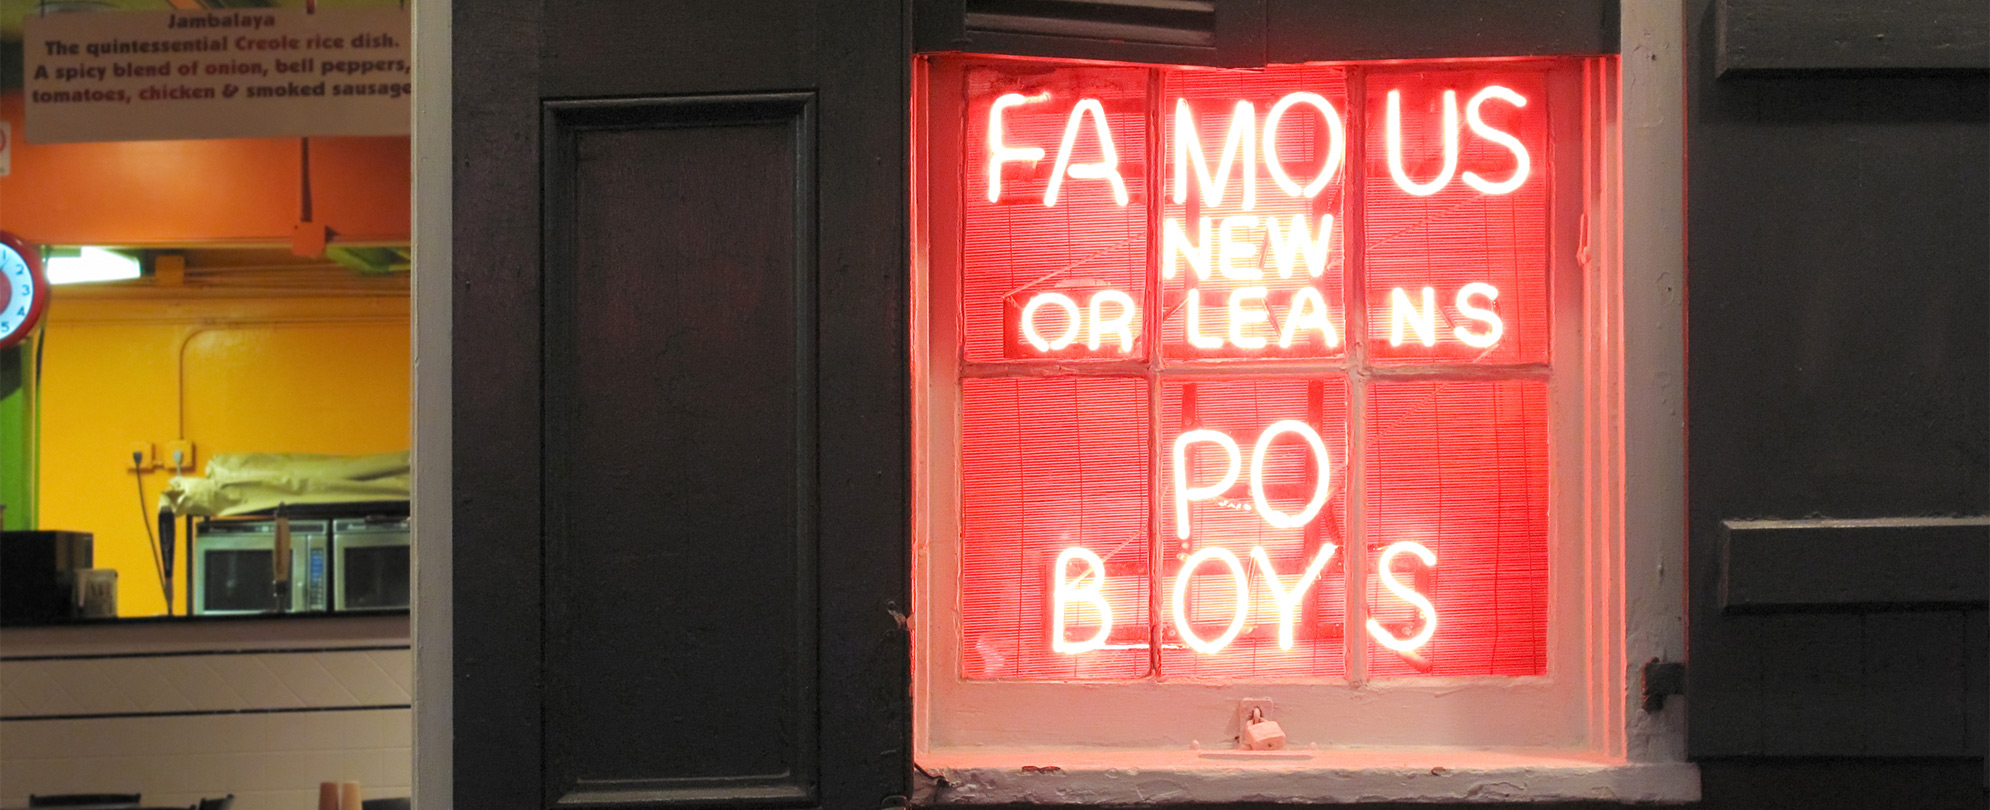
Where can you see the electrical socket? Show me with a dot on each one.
(148, 458)
(178, 457)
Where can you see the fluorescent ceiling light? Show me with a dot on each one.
(77, 265)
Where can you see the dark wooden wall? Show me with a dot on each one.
(680, 392)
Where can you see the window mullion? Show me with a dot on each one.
(1152, 326)
(1355, 318)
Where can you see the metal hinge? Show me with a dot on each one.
(1662, 678)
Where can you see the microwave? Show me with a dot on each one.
(234, 567)
(370, 563)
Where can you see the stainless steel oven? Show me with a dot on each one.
(234, 566)
(370, 563)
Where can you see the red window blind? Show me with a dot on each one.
(1347, 269)
(1457, 236)
(1461, 468)
(1210, 98)
(1086, 242)
(1229, 520)
(1046, 465)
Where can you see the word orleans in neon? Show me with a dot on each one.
(1086, 589)
(1229, 246)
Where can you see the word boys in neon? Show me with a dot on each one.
(1086, 589)
(1244, 248)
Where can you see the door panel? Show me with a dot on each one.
(679, 458)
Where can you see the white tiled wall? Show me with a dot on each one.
(288, 702)
(193, 682)
(269, 761)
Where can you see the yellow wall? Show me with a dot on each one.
(318, 375)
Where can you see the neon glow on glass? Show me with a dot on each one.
(1107, 167)
(1087, 589)
(1163, 431)
(1000, 153)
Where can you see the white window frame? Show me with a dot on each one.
(983, 742)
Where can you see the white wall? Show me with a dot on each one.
(432, 436)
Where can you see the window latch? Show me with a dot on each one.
(1662, 678)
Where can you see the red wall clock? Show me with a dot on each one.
(25, 295)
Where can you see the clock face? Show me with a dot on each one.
(25, 294)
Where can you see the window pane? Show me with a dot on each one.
(1291, 478)
(1481, 251)
(1274, 246)
(1459, 471)
(1090, 241)
(238, 580)
(1049, 465)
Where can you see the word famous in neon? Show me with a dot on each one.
(1079, 578)
(1251, 252)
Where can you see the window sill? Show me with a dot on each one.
(1152, 777)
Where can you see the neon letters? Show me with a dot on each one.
(1086, 588)
(1244, 253)
(1396, 588)
(1243, 148)
(1243, 266)
(1090, 592)
(999, 153)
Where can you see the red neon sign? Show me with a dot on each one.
(1150, 519)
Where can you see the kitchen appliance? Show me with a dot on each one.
(37, 572)
(234, 567)
(93, 593)
(370, 563)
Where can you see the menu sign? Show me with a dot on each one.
(249, 73)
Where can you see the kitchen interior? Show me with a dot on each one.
(205, 573)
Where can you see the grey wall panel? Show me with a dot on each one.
(1303, 30)
(1976, 674)
(864, 406)
(1838, 365)
(1839, 36)
(1839, 784)
(1249, 33)
(680, 456)
(494, 381)
(1888, 685)
(1780, 565)
(599, 48)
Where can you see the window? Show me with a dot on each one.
(1281, 389)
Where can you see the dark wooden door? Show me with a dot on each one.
(680, 398)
